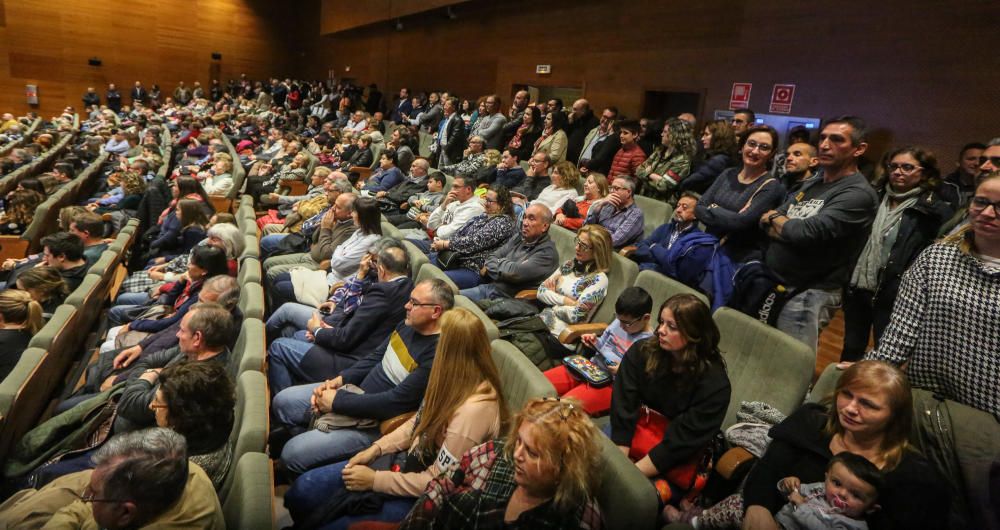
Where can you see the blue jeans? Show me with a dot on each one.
(269, 244)
(287, 319)
(313, 489)
(132, 299)
(464, 278)
(118, 315)
(314, 448)
(284, 360)
(423, 244)
(484, 291)
(807, 313)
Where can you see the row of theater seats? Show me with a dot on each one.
(756, 356)
(6, 148)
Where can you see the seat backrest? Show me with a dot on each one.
(239, 174)
(521, 380)
(105, 264)
(764, 364)
(89, 296)
(250, 271)
(655, 213)
(252, 246)
(564, 240)
(417, 258)
(626, 497)
(448, 180)
(249, 351)
(825, 385)
(251, 302)
(249, 423)
(661, 287)
(250, 500)
(377, 149)
(424, 145)
(390, 230)
(21, 402)
(311, 166)
(491, 328)
(429, 271)
(622, 274)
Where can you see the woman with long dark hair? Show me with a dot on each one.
(719, 142)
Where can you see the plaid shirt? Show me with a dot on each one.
(476, 495)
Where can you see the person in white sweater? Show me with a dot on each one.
(565, 177)
(458, 207)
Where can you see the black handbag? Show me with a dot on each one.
(293, 243)
(448, 259)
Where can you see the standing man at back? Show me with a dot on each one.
(817, 234)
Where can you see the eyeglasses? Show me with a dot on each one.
(763, 148)
(583, 246)
(618, 188)
(88, 496)
(994, 160)
(490, 201)
(980, 204)
(416, 303)
(629, 323)
(907, 168)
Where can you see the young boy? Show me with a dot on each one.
(632, 311)
(630, 156)
(842, 501)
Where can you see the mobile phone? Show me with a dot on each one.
(324, 310)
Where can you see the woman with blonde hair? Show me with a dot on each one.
(572, 293)
(544, 474)
(46, 286)
(462, 407)
(20, 319)
(565, 177)
(572, 216)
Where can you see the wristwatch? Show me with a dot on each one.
(772, 217)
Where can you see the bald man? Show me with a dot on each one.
(688, 117)
(800, 165)
(581, 122)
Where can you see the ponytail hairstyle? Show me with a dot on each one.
(17, 307)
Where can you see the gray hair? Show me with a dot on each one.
(149, 467)
(231, 238)
(342, 185)
(629, 183)
(544, 213)
(441, 292)
(213, 321)
(995, 141)
(228, 289)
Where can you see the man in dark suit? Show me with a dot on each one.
(450, 141)
(90, 98)
(401, 107)
(581, 122)
(332, 343)
(113, 98)
(138, 94)
(600, 145)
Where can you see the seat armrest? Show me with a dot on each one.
(527, 294)
(732, 460)
(628, 251)
(573, 332)
(392, 424)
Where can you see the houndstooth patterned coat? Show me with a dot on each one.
(946, 323)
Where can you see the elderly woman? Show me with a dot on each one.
(220, 180)
(670, 162)
(732, 206)
(908, 219)
(542, 475)
(565, 177)
(464, 254)
(944, 322)
(473, 159)
(553, 140)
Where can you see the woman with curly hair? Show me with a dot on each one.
(21, 206)
(719, 142)
(670, 162)
(543, 474)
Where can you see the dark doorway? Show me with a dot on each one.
(541, 94)
(660, 104)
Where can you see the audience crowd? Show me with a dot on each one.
(387, 403)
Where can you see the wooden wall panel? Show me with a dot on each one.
(919, 71)
(341, 15)
(49, 43)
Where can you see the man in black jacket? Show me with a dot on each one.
(450, 141)
(600, 145)
(328, 345)
(581, 122)
(138, 94)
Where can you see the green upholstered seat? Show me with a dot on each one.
(522, 381)
(250, 425)
(250, 503)
(249, 351)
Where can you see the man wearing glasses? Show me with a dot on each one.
(818, 232)
(989, 161)
(619, 214)
(601, 144)
(391, 378)
(142, 479)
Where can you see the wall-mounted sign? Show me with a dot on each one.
(781, 99)
(31, 92)
(543, 69)
(740, 97)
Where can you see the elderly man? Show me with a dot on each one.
(523, 262)
(316, 346)
(392, 377)
(490, 125)
(393, 201)
(141, 479)
(619, 214)
(459, 206)
(581, 122)
(335, 226)
(536, 179)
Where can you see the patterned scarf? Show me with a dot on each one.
(885, 228)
